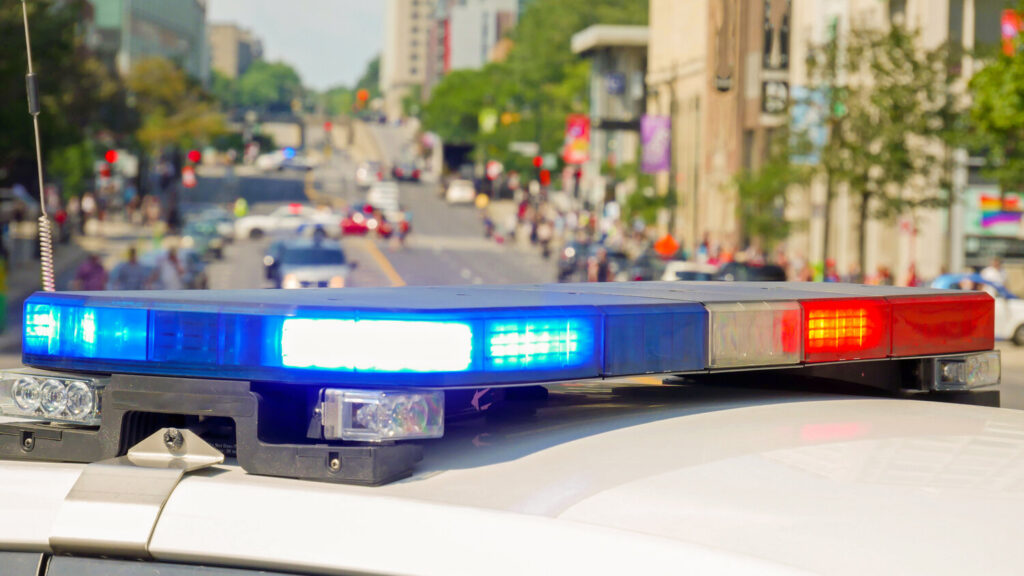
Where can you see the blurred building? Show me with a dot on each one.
(403, 67)
(233, 49)
(726, 72)
(467, 34)
(131, 30)
(618, 56)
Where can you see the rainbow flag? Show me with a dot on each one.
(995, 211)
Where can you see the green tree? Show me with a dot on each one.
(224, 90)
(75, 90)
(370, 80)
(997, 118)
(174, 109)
(894, 119)
(540, 82)
(763, 191)
(269, 86)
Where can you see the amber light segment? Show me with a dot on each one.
(837, 329)
(853, 329)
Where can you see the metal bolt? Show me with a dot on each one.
(334, 464)
(28, 443)
(173, 439)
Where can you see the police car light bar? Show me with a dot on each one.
(321, 384)
(483, 336)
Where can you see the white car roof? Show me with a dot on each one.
(603, 478)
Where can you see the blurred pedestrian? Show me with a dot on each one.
(89, 211)
(241, 207)
(912, 279)
(831, 274)
(130, 275)
(169, 274)
(599, 268)
(544, 233)
(994, 272)
(91, 275)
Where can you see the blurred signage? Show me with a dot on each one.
(774, 97)
(524, 148)
(808, 117)
(1010, 26)
(488, 120)
(494, 169)
(616, 83)
(656, 139)
(577, 139)
(987, 213)
(188, 177)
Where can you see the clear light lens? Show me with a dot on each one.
(26, 394)
(754, 334)
(374, 416)
(376, 345)
(52, 398)
(80, 399)
(967, 372)
(290, 282)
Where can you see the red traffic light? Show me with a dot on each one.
(363, 95)
(328, 126)
(538, 161)
(110, 156)
(194, 156)
(545, 177)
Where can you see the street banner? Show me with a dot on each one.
(656, 139)
(488, 120)
(577, 139)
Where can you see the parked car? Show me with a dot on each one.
(304, 263)
(683, 270)
(288, 219)
(460, 192)
(742, 272)
(1009, 308)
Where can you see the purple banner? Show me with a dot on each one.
(656, 138)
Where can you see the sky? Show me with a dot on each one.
(328, 42)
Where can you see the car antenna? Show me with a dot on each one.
(45, 230)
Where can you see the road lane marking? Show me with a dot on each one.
(384, 264)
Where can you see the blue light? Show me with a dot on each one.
(289, 152)
(85, 332)
(539, 344)
(429, 337)
(376, 345)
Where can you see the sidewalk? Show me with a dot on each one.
(111, 241)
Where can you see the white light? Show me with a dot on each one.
(290, 282)
(754, 334)
(336, 282)
(376, 345)
(374, 415)
(52, 398)
(25, 393)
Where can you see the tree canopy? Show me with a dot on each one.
(174, 109)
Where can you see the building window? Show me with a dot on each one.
(898, 10)
(413, 71)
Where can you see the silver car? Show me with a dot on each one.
(312, 263)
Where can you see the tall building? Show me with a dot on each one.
(475, 26)
(131, 30)
(403, 66)
(466, 35)
(726, 70)
(233, 49)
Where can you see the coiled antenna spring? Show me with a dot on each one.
(45, 229)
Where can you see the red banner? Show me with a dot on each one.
(577, 139)
(1011, 25)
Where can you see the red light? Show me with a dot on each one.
(194, 156)
(111, 156)
(846, 330)
(105, 171)
(545, 177)
(942, 324)
(328, 126)
(295, 208)
(538, 161)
